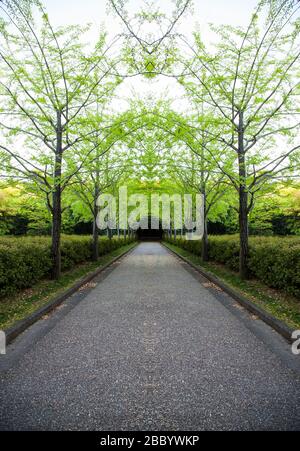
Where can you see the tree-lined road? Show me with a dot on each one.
(152, 346)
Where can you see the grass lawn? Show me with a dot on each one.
(281, 305)
(19, 306)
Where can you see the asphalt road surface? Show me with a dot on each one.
(150, 346)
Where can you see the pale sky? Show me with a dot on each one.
(235, 12)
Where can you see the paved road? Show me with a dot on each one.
(151, 347)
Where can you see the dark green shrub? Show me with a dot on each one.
(24, 261)
(273, 260)
(276, 262)
(225, 249)
(75, 250)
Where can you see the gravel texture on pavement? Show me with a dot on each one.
(150, 346)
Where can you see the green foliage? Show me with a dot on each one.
(276, 261)
(273, 260)
(25, 261)
(280, 201)
(57, 102)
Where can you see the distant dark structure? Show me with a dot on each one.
(150, 234)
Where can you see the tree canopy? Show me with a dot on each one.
(67, 136)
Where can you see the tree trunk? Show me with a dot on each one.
(57, 211)
(244, 234)
(56, 233)
(204, 250)
(96, 211)
(95, 240)
(95, 226)
(243, 204)
(204, 243)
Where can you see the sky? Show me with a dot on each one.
(235, 12)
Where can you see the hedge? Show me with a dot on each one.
(26, 260)
(273, 260)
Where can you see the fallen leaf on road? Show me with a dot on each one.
(88, 286)
(212, 285)
(239, 306)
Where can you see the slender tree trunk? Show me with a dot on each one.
(95, 240)
(244, 234)
(204, 245)
(95, 227)
(57, 209)
(204, 250)
(243, 204)
(56, 233)
(96, 210)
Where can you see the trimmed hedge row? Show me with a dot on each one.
(25, 261)
(273, 260)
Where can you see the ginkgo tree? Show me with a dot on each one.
(200, 176)
(49, 81)
(149, 45)
(192, 156)
(60, 133)
(251, 80)
(103, 168)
